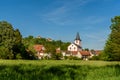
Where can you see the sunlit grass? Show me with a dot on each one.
(58, 70)
(58, 62)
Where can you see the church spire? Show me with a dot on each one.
(77, 37)
(77, 40)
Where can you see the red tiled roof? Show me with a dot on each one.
(38, 47)
(85, 53)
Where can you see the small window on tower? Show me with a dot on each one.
(76, 41)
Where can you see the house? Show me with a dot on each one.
(76, 54)
(85, 55)
(96, 52)
(49, 39)
(39, 37)
(58, 50)
(40, 49)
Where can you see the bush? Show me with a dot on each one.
(95, 58)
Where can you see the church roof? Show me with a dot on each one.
(77, 37)
(77, 45)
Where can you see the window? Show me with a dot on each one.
(76, 41)
(74, 47)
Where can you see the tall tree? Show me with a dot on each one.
(7, 40)
(112, 47)
(11, 46)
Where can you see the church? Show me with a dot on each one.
(75, 49)
(76, 45)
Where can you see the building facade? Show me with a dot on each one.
(76, 45)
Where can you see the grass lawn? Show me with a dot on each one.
(58, 70)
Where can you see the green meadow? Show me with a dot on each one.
(58, 70)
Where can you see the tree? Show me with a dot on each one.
(11, 46)
(112, 47)
(86, 49)
(7, 39)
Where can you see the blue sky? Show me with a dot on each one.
(62, 19)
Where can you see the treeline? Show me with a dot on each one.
(14, 46)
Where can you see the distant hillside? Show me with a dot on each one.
(49, 44)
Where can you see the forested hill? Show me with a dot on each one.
(49, 44)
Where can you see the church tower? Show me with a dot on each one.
(77, 40)
(76, 46)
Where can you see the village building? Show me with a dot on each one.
(75, 49)
(39, 50)
(39, 37)
(49, 39)
(96, 52)
(58, 50)
(76, 45)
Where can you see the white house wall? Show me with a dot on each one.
(72, 47)
(77, 42)
(79, 55)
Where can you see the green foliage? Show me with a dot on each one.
(56, 56)
(71, 58)
(5, 53)
(13, 46)
(95, 58)
(18, 56)
(112, 47)
(59, 70)
(10, 42)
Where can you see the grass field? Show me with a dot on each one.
(58, 70)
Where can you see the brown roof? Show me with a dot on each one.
(38, 47)
(85, 53)
(74, 52)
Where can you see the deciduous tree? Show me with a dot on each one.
(112, 47)
(10, 42)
